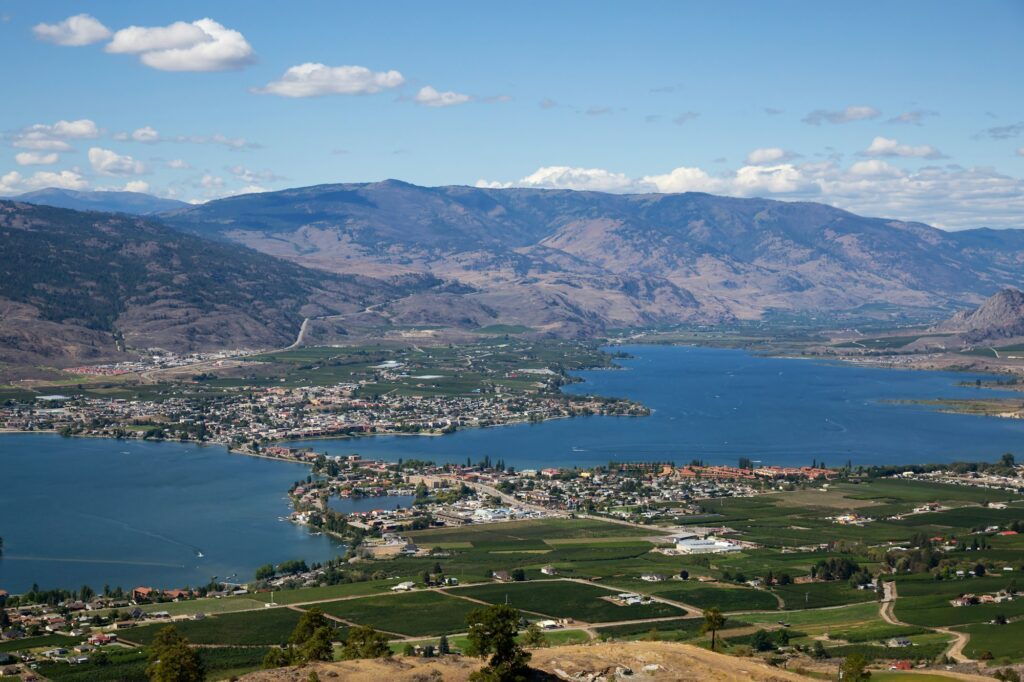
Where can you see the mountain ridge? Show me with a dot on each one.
(136, 203)
(612, 260)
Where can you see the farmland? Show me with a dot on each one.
(417, 614)
(266, 627)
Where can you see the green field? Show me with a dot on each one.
(525, 531)
(705, 596)
(1002, 641)
(562, 599)
(817, 595)
(309, 594)
(129, 665)
(414, 614)
(250, 628)
(48, 641)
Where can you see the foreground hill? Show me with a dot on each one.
(647, 661)
(77, 285)
(576, 262)
(998, 320)
(136, 203)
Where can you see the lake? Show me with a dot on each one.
(718, 405)
(77, 511)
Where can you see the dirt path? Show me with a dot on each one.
(887, 611)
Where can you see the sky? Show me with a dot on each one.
(909, 110)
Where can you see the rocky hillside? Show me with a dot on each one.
(77, 285)
(998, 319)
(606, 662)
(577, 262)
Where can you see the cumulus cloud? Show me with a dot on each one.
(81, 29)
(429, 97)
(566, 177)
(253, 177)
(14, 182)
(109, 162)
(685, 117)
(769, 155)
(851, 113)
(314, 80)
(145, 134)
(36, 158)
(202, 45)
(885, 146)
(136, 186)
(915, 117)
(55, 137)
(950, 196)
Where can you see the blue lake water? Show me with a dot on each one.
(77, 511)
(719, 405)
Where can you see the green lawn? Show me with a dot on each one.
(309, 594)
(414, 614)
(562, 599)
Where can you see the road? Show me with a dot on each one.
(888, 613)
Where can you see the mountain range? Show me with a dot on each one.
(137, 203)
(382, 258)
(998, 321)
(80, 285)
(570, 262)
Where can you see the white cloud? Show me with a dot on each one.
(230, 142)
(885, 146)
(136, 186)
(81, 29)
(14, 182)
(915, 117)
(682, 179)
(429, 97)
(145, 134)
(852, 113)
(212, 181)
(108, 162)
(202, 45)
(55, 137)
(36, 158)
(566, 177)
(178, 164)
(950, 196)
(769, 155)
(875, 168)
(315, 80)
(252, 177)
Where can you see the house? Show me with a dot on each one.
(653, 577)
(141, 594)
(706, 546)
(502, 576)
(547, 624)
(176, 595)
(102, 638)
(404, 586)
(898, 642)
(549, 570)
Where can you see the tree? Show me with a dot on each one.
(761, 641)
(819, 651)
(854, 669)
(518, 575)
(265, 571)
(311, 621)
(492, 631)
(534, 636)
(713, 622)
(277, 658)
(684, 574)
(365, 642)
(319, 647)
(409, 650)
(171, 659)
(443, 648)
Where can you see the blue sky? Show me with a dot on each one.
(909, 110)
